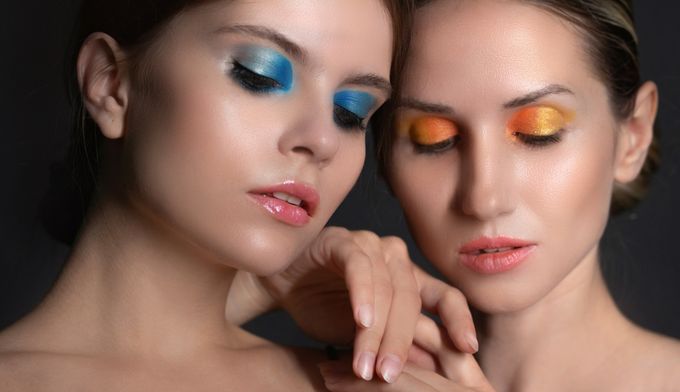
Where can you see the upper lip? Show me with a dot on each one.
(300, 190)
(493, 243)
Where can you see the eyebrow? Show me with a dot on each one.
(290, 47)
(536, 95)
(370, 80)
(427, 107)
(294, 50)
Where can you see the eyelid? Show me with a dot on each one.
(430, 130)
(267, 62)
(359, 103)
(539, 121)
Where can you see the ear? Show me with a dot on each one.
(104, 83)
(636, 134)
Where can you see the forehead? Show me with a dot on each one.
(492, 45)
(340, 28)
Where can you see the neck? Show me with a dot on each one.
(577, 326)
(133, 285)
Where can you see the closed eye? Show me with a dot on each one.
(253, 81)
(347, 120)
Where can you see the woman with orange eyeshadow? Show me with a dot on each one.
(520, 126)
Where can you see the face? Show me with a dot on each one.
(504, 157)
(258, 133)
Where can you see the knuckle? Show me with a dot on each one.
(395, 244)
(367, 237)
(453, 297)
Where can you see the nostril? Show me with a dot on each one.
(303, 150)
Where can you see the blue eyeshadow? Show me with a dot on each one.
(268, 63)
(357, 102)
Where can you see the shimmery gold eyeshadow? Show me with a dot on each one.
(431, 130)
(538, 121)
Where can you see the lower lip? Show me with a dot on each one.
(494, 263)
(283, 211)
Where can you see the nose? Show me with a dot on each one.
(486, 190)
(312, 134)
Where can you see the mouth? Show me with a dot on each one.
(290, 202)
(290, 199)
(493, 250)
(494, 255)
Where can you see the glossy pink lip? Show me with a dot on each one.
(494, 255)
(284, 211)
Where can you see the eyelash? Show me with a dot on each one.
(347, 120)
(253, 81)
(532, 141)
(437, 148)
(259, 84)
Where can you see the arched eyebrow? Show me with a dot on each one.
(370, 80)
(266, 33)
(296, 51)
(536, 95)
(427, 107)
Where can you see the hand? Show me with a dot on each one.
(456, 371)
(356, 281)
(338, 378)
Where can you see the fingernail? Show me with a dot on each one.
(365, 365)
(390, 368)
(366, 316)
(472, 341)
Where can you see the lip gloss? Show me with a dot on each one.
(494, 255)
(295, 214)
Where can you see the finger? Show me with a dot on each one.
(337, 250)
(404, 311)
(441, 383)
(428, 335)
(452, 307)
(454, 364)
(468, 374)
(422, 358)
(338, 378)
(368, 340)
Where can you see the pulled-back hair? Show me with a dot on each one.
(608, 30)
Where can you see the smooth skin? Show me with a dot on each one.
(549, 324)
(141, 303)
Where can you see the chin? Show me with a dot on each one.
(497, 298)
(261, 252)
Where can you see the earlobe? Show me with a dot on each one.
(637, 133)
(104, 83)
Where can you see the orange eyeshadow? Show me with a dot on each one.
(430, 130)
(538, 121)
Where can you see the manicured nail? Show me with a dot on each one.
(390, 368)
(366, 315)
(365, 365)
(472, 341)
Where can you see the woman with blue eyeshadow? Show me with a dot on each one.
(213, 142)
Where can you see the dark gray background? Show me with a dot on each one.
(639, 249)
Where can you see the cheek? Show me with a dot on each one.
(424, 187)
(569, 190)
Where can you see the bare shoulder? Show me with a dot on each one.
(296, 367)
(654, 364)
(32, 371)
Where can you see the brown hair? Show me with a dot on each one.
(135, 25)
(611, 42)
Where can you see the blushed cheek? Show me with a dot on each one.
(571, 192)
